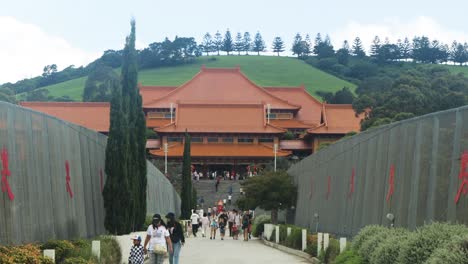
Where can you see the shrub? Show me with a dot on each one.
(27, 254)
(420, 244)
(363, 235)
(258, 227)
(372, 241)
(63, 248)
(348, 257)
(110, 250)
(386, 252)
(76, 260)
(295, 239)
(456, 251)
(332, 251)
(312, 245)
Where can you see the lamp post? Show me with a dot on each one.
(391, 218)
(165, 158)
(275, 150)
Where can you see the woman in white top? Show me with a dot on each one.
(158, 238)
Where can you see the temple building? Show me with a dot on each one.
(234, 124)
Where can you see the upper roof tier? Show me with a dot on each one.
(338, 119)
(220, 118)
(218, 85)
(94, 116)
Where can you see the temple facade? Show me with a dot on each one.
(234, 124)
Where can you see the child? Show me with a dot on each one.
(222, 227)
(214, 226)
(136, 252)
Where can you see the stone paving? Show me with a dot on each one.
(206, 251)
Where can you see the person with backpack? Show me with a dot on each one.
(177, 237)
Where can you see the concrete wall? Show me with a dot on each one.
(425, 154)
(38, 147)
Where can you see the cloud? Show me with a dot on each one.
(25, 49)
(395, 29)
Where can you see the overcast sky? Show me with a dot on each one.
(36, 33)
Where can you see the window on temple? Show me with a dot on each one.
(197, 140)
(212, 140)
(228, 140)
(161, 114)
(245, 140)
(174, 139)
(265, 140)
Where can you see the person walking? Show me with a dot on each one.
(230, 222)
(217, 183)
(222, 227)
(137, 255)
(245, 225)
(205, 224)
(177, 237)
(158, 238)
(237, 225)
(214, 226)
(195, 219)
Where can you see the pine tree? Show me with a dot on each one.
(218, 42)
(207, 43)
(405, 49)
(358, 51)
(307, 45)
(375, 47)
(186, 195)
(278, 45)
(317, 43)
(228, 45)
(247, 43)
(258, 44)
(342, 55)
(239, 43)
(298, 47)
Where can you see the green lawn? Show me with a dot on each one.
(263, 70)
(457, 69)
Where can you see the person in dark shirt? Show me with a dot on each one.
(177, 237)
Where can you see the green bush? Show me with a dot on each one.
(363, 235)
(421, 243)
(26, 254)
(76, 260)
(456, 251)
(63, 248)
(258, 226)
(311, 248)
(295, 239)
(110, 250)
(348, 257)
(372, 241)
(332, 251)
(386, 252)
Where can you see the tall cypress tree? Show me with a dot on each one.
(186, 196)
(117, 188)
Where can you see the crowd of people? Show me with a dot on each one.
(233, 221)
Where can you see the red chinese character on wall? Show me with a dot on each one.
(463, 176)
(391, 183)
(6, 173)
(68, 178)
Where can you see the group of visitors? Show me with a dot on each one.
(233, 221)
(161, 239)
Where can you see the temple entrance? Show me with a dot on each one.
(224, 171)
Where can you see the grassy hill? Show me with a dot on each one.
(263, 70)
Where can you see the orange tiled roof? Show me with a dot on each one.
(289, 123)
(220, 85)
(95, 116)
(157, 122)
(222, 150)
(220, 118)
(150, 93)
(339, 119)
(311, 108)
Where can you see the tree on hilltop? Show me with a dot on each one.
(298, 46)
(307, 46)
(258, 44)
(375, 47)
(247, 43)
(99, 85)
(342, 55)
(207, 44)
(239, 43)
(218, 42)
(228, 44)
(358, 50)
(278, 45)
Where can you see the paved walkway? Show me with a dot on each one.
(206, 251)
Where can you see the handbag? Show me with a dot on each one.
(160, 249)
